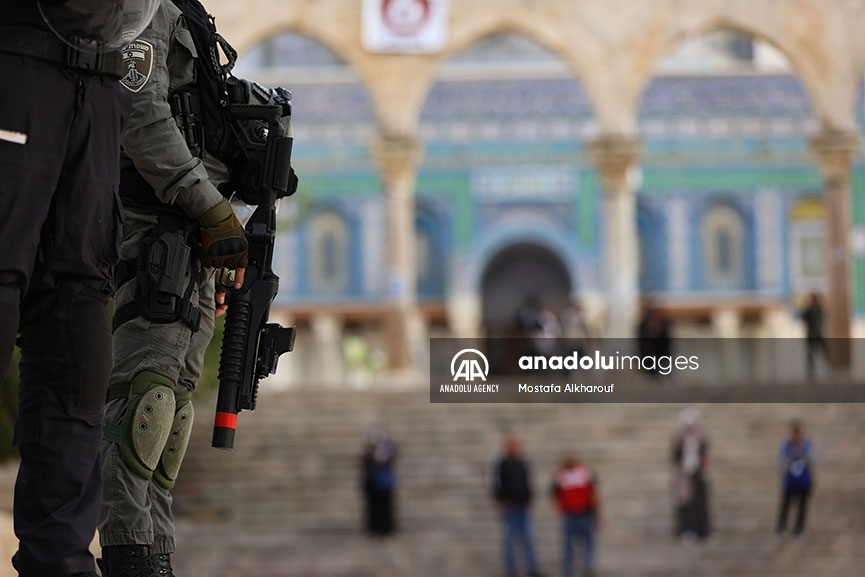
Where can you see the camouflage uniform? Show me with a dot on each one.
(137, 503)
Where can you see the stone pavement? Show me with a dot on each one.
(286, 500)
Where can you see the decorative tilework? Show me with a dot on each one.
(374, 248)
(286, 249)
(537, 182)
(677, 243)
(769, 214)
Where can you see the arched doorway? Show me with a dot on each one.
(516, 273)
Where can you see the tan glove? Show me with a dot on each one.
(223, 241)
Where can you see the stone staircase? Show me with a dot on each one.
(286, 500)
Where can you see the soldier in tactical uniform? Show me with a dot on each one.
(61, 111)
(179, 230)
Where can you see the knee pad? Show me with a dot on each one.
(148, 422)
(181, 429)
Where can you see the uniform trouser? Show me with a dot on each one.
(58, 240)
(137, 511)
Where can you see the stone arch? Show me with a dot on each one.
(527, 229)
(245, 31)
(828, 86)
(309, 57)
(473, 87)
(680, 37)
(611, 45)
(544, 29)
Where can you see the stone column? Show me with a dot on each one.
(327, 334)
(465, 311)
(727, 324)
(397, 159)
(834, 152)
(615, 158)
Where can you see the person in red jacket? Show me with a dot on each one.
(575, 492)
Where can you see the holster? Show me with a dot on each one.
(164, 272)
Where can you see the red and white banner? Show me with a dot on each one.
(405, 26)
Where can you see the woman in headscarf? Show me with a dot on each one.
(379, 482)
(690, 458)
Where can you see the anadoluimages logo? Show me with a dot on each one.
(469, 368)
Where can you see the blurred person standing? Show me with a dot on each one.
(654, 334)
(574, 325)
(61, 112)
(796, 464)
(575, 331)
(574, 489)
(527, 319)
(812, 315)
(691, 492)
(512, 491)
(546, 337)
(379, 482)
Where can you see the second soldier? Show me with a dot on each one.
(179, 229)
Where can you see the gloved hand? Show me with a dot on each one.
(223, 241)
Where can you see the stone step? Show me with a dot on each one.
(286, 500)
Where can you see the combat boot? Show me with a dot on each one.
(127, 561)
(162, 564)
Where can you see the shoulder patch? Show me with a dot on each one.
(138, 63)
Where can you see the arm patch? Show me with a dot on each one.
(137, 64)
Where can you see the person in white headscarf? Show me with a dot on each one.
(691, 494)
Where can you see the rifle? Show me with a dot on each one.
(251, 346)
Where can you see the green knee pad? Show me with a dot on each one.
(181, 429)
(147, 423)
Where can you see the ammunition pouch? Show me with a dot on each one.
(186, 108)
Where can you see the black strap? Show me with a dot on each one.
(126, 313)
(111, 432)
(186, 312)
(46, 46)
(136, 192)
(118, 391)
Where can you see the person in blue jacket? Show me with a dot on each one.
(796, 462)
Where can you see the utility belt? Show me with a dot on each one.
(166, 267)
(45, 45)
